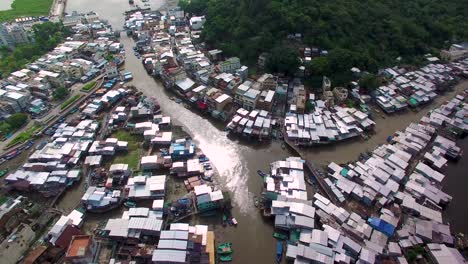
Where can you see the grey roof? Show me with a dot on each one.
(172, 244)
(172, 256)
(172, 234)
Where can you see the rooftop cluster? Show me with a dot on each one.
(54, 166)
(205, 80)
(78, 59)
(415, 88)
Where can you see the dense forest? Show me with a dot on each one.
(365, 33)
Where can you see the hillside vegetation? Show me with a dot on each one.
(365, 33)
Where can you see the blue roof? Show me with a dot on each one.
(382, 226)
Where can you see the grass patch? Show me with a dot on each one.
(24, 136)
(28, 8)
(88, 86)
(70, 101)
(132, 157)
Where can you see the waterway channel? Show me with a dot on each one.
(236, 162)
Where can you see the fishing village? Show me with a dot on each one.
(167, 151)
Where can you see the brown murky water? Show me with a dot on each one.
(236, 162)
(455, 184)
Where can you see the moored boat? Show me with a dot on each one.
(225, 248)
(234, 221)
(280, 236)
(130, 204)
(279, 251)
(225, 258)
(3, 172)
(261, 173)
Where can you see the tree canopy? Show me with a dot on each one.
(370, 82)
(366, 34)
(283, 59)
(60, 93)
(13, 123)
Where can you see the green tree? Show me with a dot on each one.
(194, 7)
(61, 93)
(283, 59)
(17, 120)
(5, 128)
(319, 66)
(370, 82)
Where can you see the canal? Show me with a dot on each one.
(236, 162)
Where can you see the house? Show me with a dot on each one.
(146, 187)
(240, 91)
(82, 249)
(182, 149)
(456, 52)
(16, 244)
(267, 82)
(111, 71)
(266, 100)
(197, 22)
(135, 224)
(341, 94)
(250, 99)
(19, 101)
(217, 100)
(151, 162)
(185, 85)
(185, 244)
(191, 167)
(230, 65)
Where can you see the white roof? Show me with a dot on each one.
(222, 98)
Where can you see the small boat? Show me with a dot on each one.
(3, 172)
(234, 221)
(225, 220)
(279, 251)
(225, 258)
(261, 173)
(225, 248)
(256, 202)
(130, 204)
(280, 236)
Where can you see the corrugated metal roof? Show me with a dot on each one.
(172, 234)
(172, 256)
(172, 244)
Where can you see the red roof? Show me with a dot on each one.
(202, 105)
(64, 240)
(35, 254)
